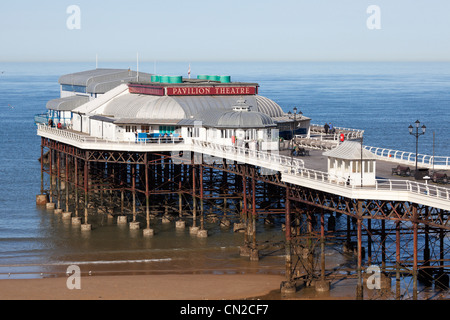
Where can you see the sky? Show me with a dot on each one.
(227, 30)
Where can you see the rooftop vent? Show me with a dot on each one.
(241, 105)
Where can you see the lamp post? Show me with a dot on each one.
(294, 126)
(417, 134)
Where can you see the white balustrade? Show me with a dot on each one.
(410, 157)
(287, 165)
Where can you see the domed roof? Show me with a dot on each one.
(244, 119)
(183, 107)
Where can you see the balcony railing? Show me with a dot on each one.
(289, 166)
(272, 159)
(410, 158)
(83, 138)
(424, 189)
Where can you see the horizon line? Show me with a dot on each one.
(224, 61)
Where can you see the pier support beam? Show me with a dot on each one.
(359, 286)
(246, 248)
(66, 215)
(194, 229)
(42, 198)
(254, 253)
(148, 231)
(415, 251)
(86, 226)
(288, 286)
(202, 233)
(322, 285)
(180, 224)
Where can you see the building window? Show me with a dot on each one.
(130, 128)
(72, 88)
(145, 129)
(227, 134)
(166, 129)
(368, 166)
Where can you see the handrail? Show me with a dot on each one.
(83, 138)
(269, 157)
(288, 165)
(410, 157)
(380, 184)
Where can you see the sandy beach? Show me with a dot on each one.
(143, 287)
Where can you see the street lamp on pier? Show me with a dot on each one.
(417, 134)
(294, 127)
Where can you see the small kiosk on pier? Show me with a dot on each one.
(351, 164)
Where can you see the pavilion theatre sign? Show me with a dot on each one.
(210, 91)
(193, 91)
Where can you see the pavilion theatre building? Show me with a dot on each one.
(126, 106)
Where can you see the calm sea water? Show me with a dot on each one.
(381, 98)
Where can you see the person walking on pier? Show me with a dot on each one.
(326, 127)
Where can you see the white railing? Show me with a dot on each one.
(84, 138)
(424, 189)
(414, 187)
(348, 132)
(316, 143)
(64, 133)
(410, 157)
(271, 159)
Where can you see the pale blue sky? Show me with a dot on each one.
(227, 30)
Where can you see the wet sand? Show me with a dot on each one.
(143, 287)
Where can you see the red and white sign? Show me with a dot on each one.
(210, 91)
(193, 91)
(143, 89)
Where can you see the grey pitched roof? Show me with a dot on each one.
(68, 103)
(102, 118)
(102, 80)
(350, 150)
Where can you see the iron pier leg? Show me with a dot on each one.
(58, 181)
(254, 254)
(245, 249)
(133, 189)
(86, 226)
(76, 186)
(288, 286)
(359, 288)
(397, 258)
(148, 231)
(322, 285)
(194, 229)
(415, 254)
(203, 233)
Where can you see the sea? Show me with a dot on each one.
(381, 98)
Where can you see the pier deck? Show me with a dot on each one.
(308, 171)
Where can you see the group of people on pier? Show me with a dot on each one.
(329, 128)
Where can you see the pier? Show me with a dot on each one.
(399, 224)
(208, 150)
